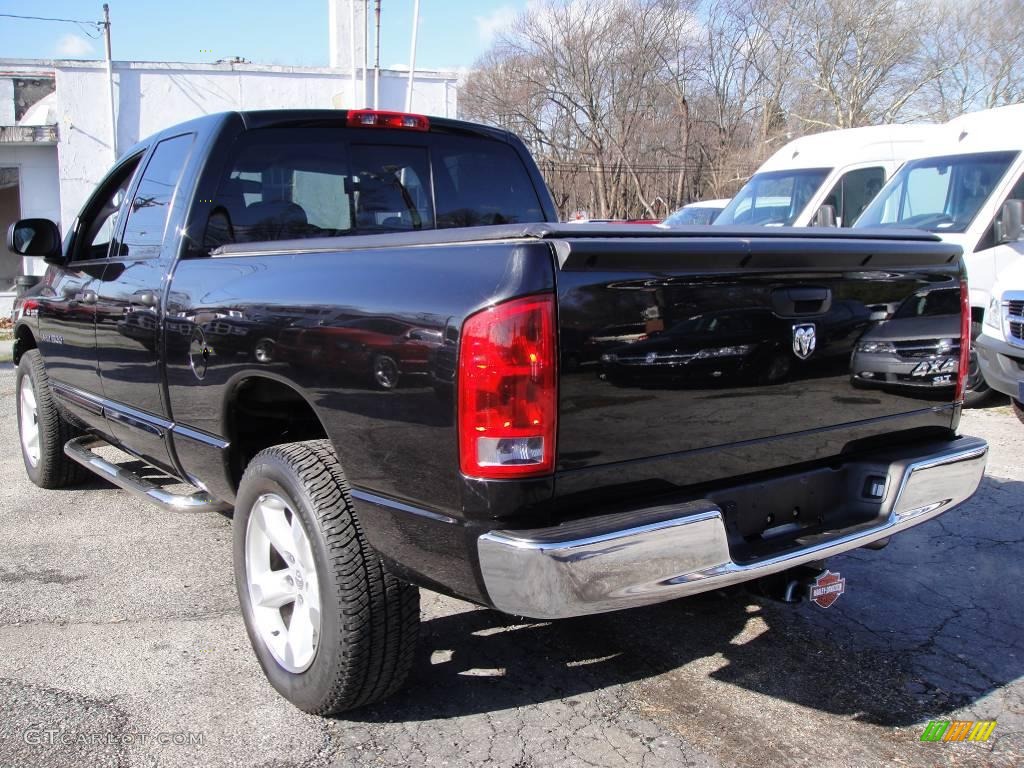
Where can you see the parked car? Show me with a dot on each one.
(700, 212)
(535, 490)
(919, 346)
(966, 184)
(1001, 343)
(384, 349)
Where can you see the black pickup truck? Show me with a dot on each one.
(367, 334)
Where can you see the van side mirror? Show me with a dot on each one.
(825, 217)
(35, 237)
(1008, 225)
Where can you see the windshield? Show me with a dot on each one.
(703, 214)
(773, 198)
(945, 301)
(939, 194)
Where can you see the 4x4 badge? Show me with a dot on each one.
(804, 340)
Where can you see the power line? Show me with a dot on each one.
(45, 18)
(81, 24)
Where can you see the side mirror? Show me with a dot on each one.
(1008, 225)
(824, 217)
(35, 237)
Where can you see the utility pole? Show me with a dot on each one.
(412, 54)
(352, 50)
(376, 53)
(110, 80)
(366, 48)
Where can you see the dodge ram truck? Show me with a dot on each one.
(366, 335)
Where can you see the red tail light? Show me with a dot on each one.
(965, 340)
(372, 118)
(507, 390)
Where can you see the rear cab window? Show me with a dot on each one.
(310, 182)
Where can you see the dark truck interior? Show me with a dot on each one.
(280, 187)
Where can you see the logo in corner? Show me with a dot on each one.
(827, 588)
(804, 340)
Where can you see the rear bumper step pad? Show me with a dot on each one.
(610, 562)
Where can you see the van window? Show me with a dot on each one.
(853, 192)
(305, 182)
(939, 194)
(774, 197)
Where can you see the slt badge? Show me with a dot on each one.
(804, 340)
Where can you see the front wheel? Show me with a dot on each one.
(385, 372)
(42, 429)
(332, 628)
(1018, 409)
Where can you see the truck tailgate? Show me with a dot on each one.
(685, 359)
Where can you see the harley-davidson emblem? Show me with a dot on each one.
(804, 340)
(827, 588)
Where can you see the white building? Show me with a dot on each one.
(54, 150)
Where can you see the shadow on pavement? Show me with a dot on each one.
(898, 648)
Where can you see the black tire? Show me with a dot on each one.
(977, 392)
(1018, 409)
(385, 372)
(52, 469)
(369, 618)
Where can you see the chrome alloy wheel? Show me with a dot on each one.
(28, 420)
(283, 586)
(385, 371)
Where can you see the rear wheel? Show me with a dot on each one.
(42, 430)
(332, 628)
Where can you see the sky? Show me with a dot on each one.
(453, 33)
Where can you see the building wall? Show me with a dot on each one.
(6, 101)
(39, 189)
(153, 96)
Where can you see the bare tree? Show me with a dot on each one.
(633, 107)
(980, 49)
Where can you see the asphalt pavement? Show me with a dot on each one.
(121, 645)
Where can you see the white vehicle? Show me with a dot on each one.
(967, 186)
(842, 170)
(1001, 343)
(700, 212)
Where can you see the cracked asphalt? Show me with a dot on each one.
(121, 645)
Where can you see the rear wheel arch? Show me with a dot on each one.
(262, 410)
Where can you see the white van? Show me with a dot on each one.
(966, 186)
(840, 169)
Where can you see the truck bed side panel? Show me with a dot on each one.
(315, 322)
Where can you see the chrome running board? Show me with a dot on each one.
(80, 449)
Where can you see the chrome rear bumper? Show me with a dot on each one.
(624, 560)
